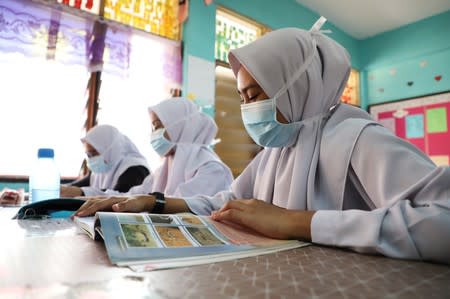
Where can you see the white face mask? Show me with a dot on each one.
(97, 164)
(160, 144)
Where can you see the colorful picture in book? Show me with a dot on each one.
(191, 220)
(422, 121)
(138, 235)
(172, 236)
(204, 236)
(130, 218)
(162, 219)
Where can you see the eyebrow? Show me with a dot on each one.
(253, 85)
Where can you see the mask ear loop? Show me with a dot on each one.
(314, 29)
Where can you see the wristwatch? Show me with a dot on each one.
(160, 202)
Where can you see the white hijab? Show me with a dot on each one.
(193, 132)
(288, 176)
(117, 150)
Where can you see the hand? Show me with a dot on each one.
(71, 191)
(267, 219)
(140, 203)
(11, 196)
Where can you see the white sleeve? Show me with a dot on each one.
(204, 205)
(91, 191)
(209, 179)
(410, 200)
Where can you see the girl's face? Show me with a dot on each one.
(250, 91)
(157, 123)
(90, 150)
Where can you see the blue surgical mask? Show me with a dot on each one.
(261, 124)
(160, 144)
(97, 164)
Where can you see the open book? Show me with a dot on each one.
(158, 241)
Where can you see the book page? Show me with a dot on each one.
(171, 240)
(239, 235)
(86, 224)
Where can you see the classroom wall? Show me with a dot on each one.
(411, 61)
(14, 185)
(407, 62)
(199, 29)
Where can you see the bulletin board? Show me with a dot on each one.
(423, 121)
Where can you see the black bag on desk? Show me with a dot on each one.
(50, 208)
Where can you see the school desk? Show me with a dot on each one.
(54, 260)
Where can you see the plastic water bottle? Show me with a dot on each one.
(44, 181)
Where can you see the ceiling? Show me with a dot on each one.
(366, 18)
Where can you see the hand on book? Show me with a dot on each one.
(267, 219)
(139, 203)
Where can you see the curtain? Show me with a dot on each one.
(38, 30)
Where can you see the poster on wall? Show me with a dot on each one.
(350, 94)
(423, 121)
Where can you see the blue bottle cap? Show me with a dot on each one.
(46, 153)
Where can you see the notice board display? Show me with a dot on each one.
(423, 121)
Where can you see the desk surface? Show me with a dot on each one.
(54, 260)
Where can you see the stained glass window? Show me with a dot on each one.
(159, 17)
(351, 91)
(156, 16)
(233, 32)
(92, 6)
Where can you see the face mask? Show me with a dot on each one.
(160, 144)
(260, 122)
(97, 164)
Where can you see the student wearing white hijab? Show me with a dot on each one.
(181, 135)
(114, 162)
(328, 172)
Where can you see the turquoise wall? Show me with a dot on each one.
(411, 61)
(14, 185)
(199, 29)
(399, 64)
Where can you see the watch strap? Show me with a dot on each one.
(160, 202)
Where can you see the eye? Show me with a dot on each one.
(253, 98)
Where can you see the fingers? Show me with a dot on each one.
(231, 215)
(234, 210)
(98, 204)
(239, 204)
